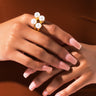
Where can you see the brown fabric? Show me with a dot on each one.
(15, 89)
(68, 14)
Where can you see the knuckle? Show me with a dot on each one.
(53, 28)
(25, 16)
(38, 65)
(8, 51)
(60, 50)
(40, 53)
(9, 45)
(63, 50)
(16, 26)
(52, 60)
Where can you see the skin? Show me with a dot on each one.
(17, 37)
(83, 74)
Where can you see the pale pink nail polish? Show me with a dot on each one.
(71, 59)
(32, 86)
(58, 94)
(25, 75)
(64, 66)
(75, 43)
(45, 93)
(46, 68)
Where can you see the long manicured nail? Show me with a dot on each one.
(71, 59)
(64, 66)
(45, 93)
(32, 86)
(75, 43)
(25, 75)
(47, 68)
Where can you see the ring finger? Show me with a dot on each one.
(39, 53)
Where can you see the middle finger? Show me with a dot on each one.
(41, 54)
(48, 43)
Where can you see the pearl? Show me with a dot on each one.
(37, 14)
(38, 25)
(42, 18)
(33, 21)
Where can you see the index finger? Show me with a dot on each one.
(63, 36)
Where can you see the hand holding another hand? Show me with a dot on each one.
(83, 74)
(21, 43)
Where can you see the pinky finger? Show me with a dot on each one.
(28, 72)
(74, 87)
(29, 62)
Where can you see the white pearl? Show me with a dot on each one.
(42, 18)
(37, 14)
(33, 21)
(38, 25)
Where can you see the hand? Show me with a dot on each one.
(84, 74)
(19, 42)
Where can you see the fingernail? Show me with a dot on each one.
(45, 93)
(25, 75)
(64, 66)
(75, 43)
(32, 86)
(71, 59)
(46, 68)
(58, 95)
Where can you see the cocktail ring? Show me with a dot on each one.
(37, 21)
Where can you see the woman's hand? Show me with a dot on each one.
(84, 74)
(19, 42)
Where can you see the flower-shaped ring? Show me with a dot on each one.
(37, 21)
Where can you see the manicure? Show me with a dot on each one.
(25, 75)
(71, 59)
(58, 94)
(45, 93)
(75, 43)
(47, 68)
(64, 66)
(32, 86)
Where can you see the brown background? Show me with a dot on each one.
(70, 15)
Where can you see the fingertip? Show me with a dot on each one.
(71, 59)
(47, 69)
(75, 43)
(64, 66)
(32, 86)
(25, 75)
(45, 93)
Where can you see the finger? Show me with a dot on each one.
(48, 44)
(75, 86)
(29, 62)
(45, 41)
(58, 81)
(41, 54)
(63, 78)
(28, 72)
(77, 55)
(26, 19)
(39, 80)
(63, 36)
